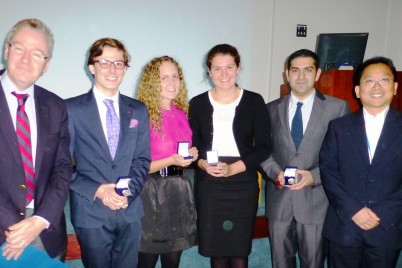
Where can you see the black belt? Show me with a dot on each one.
(170, 171)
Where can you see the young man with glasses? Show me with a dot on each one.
(35, 164)
(109, 139)
(360, 163)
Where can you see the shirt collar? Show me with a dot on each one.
(100, 96)
(307, 101)
(381, 114)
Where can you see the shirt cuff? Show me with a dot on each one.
(44, 220)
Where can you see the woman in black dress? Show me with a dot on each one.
(233, 123)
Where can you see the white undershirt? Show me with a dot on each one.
(374, 125)
(223, 138)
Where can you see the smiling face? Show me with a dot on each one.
(24, 69)
(170, 83)
(108, 80)
(375, 98)
(223, 71)
(301, 75)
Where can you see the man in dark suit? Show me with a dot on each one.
(108, 141)
(296, 212)
(360, 162)
(35, 163)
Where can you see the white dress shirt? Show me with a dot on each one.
(305, 109)
(100, 97)
(374, 125)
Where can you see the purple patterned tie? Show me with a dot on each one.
(23, 131)
(112, 126)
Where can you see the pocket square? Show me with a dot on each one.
(133, 123)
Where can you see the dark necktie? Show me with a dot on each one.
(297, 126)
(112, 126)
(23, 131)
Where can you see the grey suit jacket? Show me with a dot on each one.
(94, 164)
(308, 205)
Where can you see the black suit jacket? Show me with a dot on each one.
(52, 169)
(352, 183)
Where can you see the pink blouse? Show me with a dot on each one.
(176, 128)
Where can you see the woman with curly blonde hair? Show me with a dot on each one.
(169, 222)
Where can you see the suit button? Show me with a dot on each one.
(23, 187)
(114, 167)
(22, 213)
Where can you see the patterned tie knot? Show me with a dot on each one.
(109, 103)
(21, 98)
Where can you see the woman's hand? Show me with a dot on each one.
(194, 152)
(178, 160)
(220, 170)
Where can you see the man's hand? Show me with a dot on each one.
(109, 197)
(366, 219)
(304, 179)
(21, 234)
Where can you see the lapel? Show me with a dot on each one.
(91, 112)
(7, 127)
(392, 128)
(357, 132)
(283, 112)
(315, 120)
(43, 128)
(126, 114)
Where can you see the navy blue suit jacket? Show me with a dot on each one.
(52, 169)
(351, 183)
(94, 163)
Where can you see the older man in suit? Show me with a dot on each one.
(35, 164)
(109, 139)
(360, 162)
(298, 121)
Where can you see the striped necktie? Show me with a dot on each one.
(23, 131)
(112, 127)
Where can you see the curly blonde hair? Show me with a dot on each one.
(149, 91)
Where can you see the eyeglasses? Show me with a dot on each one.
(19, 50)
(371, 82)
(105, 64)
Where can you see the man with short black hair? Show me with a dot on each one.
(296, 209)
(360, 163)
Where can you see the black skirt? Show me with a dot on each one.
(169, 222)
(226, 209)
